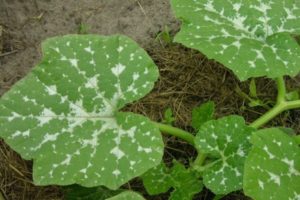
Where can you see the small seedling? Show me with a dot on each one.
(66, 116)
(168, 117)
(83, 28)
(164, 36)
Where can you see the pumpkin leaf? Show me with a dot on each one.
(252, 38)
(127, 195)
(202, 114)
(65, 113)
(272, 168)
(185, 182)
(226, 141)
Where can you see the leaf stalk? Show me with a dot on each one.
(177, 132)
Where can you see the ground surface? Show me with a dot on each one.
(187, 77)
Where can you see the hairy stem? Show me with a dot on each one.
(177, 132)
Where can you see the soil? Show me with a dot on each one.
(187, 77)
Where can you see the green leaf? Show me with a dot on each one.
(76, 192)
(65, 114)
(127, 195)
(202, 114)
(184, 181)
(272, 168)
(168, 117)
(252, 38)
(226, 140)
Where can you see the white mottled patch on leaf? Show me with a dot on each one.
(118, 69)
(117, 152)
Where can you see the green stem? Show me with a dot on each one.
(268, 115)
(281, 90)
(176, 132)
(164, 128)
(200, 159)
(281, 105)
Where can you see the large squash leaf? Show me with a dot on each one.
(272, 168)
(226, 141)
(65, 113)
(252, 38)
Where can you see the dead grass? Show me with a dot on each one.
(187, 79)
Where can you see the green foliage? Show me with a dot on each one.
(226, 141)
(202, 114)
(65, 113)
(252, 38)
(76, 192)
(168, 117)
(160, 179)
(272, 168)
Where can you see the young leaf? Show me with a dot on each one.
(168, 117)
(165, 36)
(226, 141)
(184, 181)
(127, 195)
(252, 38)
(272, 168)
(202, 114)
(65, 114)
